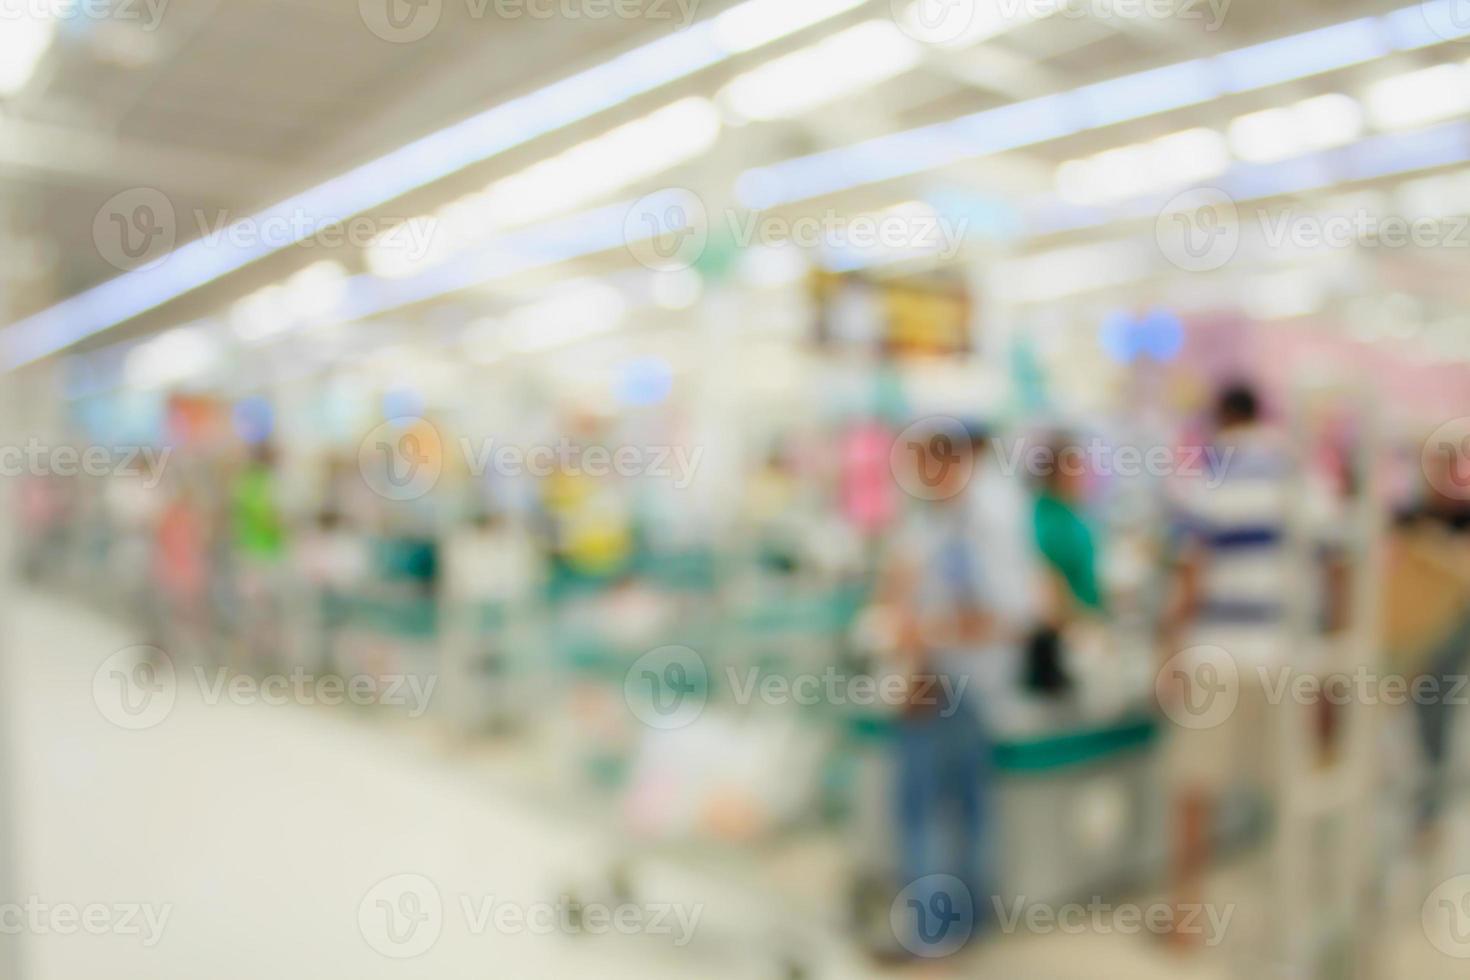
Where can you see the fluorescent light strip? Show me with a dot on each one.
(1303, 55)
(562, 103)
(1432, 22)
(1369, 159)
(417, 164)
(758, 22)
(840, 65)
(1128, 97)
(26, 34)
(603, 230)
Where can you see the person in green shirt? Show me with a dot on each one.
(1068, 549)
(259, 530)
(1064, 537)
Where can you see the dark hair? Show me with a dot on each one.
(1237, 404)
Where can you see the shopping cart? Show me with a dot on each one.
(385, 629)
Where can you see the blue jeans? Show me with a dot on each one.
(943, 792)
(1445, 665)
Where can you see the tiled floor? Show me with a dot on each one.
(262, 829)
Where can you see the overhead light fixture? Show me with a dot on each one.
(963, 25)
(172, 357)
(261, 315)
(424, 161)
(676, 290)
(1105, 103)
(1265, 136)
(1176, 160)
(846, 62)
(608, 163)
(317, 290)
(1289, 131)
(577, 311)
(313, 293)
(1283, 295)
(1329, 120)
(1070, 270)
(603, 165)
(1420, 97)
(26, 32)
(1187, 157)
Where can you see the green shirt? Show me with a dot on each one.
(257, 519)
(1068, 546)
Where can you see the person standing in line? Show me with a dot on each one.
(1233, 585)
(949, 628)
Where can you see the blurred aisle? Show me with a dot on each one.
(235, 851)
(237, 848)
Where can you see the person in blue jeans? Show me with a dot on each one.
(942, 779)
(1446, 661)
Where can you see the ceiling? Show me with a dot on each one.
(228, 106)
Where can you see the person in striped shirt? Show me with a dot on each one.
(1226, 630)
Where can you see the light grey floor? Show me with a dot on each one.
(264, 831)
